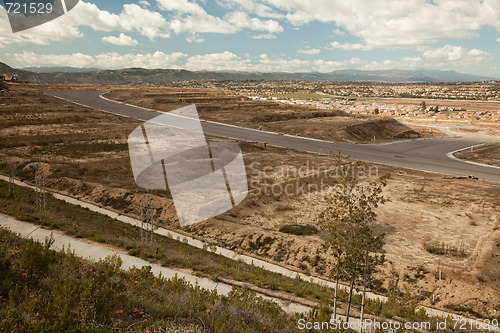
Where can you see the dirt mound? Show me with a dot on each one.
(385, 129)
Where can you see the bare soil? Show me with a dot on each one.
(487, 154)
(469, 105)
(455, 127)
(432, 224)
(228, 107)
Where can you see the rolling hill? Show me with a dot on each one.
(141, 76)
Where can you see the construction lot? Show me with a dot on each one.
(230, 108)
(442, 235)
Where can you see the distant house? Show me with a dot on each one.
(441, 116)
(8, 78)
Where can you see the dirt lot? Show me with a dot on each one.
(455, 127)
(468, 105)
(227, 107)
(432, 224)
(488, 154)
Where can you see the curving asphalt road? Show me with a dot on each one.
(425, 155)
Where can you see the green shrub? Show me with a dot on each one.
(134, 252)
(299, 230)
(46, 291)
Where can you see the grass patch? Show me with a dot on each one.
(439, 248)
(82, 223)
(311, 96)
(46, 291)
(466, 310)
(80, 150)
(299, 230)
(270, 117)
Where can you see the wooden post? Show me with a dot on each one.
(350, 301)
(364, 292)
(11, 182)
(335, 300)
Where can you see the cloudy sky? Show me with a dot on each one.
(265, 35)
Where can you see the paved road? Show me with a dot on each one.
(426, 155)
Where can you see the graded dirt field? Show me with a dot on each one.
(228, 107)
(469, 105)
(487, 154)
(455, 127)
(442, 235)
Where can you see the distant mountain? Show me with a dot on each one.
(140, 76)
(402, 76)
(23, 75)
(58, 69)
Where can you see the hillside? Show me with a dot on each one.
(23, 75)
(141, 76)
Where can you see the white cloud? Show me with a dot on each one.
(252, 6)
(445, 58)
(185, 17)
(448, 57)
(479, 55)
(338, 32)
(182, 6)
(498, 40)
(104, 60)
(407, 63)
(448, 53)
(195, 38)
(309, 51)
(216, 62)
(350, 46)
(192, 19)
(264, 36)
(122, 40)
(325, 66)
(132, 18)
(389, 23)
(41, 35)
(242, 20)
(378, 23)
(452, 53)
(66, 28)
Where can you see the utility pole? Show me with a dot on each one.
(153, 211)
(147, 218)
(41, 194)
(363, 300)
(11, 181)
(142, 214)
(335, 299)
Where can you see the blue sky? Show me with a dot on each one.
(265, 35)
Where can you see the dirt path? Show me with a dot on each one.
(95, 252)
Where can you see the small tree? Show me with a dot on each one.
(347, 222)
(3, 86)
(423, 106)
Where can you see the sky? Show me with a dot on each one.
(265, 36)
